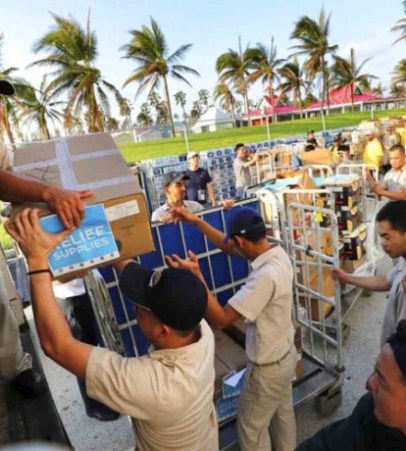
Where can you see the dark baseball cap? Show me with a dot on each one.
(174, 177)
(244, 220)
(6, 88)
(175, 296)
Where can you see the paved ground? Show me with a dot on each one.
(360, 351)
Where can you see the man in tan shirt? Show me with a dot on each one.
(169, 392)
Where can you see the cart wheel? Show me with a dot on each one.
(329, 401)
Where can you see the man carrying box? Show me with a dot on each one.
(15, 364)
(169, 392)
(265, 302)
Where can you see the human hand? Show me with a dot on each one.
(191, 265)
(67, 205)
(228, 204)
(35, 243)
(339, 274)
(182, 214)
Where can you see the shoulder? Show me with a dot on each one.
(193, 206)
(159, 213)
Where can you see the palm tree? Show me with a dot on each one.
(399, 77)
(180, 100)
(379, 89)
(125, 112)
(144, 116)
(9, 106)
(234, 66)
(203, 99)
(314, 43)
(265, 66)
(293, 81)
(37, 107)
(401, 25)
(347, 72)
(72, 52)
(223, 94)
(149, 49)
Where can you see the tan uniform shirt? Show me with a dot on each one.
(395, 180)
(168, 393)
(265, 301)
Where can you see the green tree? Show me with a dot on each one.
(204, 97)
(401, 25)
(234, 66)
(293, 82)
(72, 52)
(223, 94)
(180, 100)
(314, 43)
(265, 65)
(379, 89)
(38, 107)
(144, 116)
(346, 72)
(125, 112)
(399, 78)
(149, 49)
(9, 106)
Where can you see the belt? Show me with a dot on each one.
(275, 362)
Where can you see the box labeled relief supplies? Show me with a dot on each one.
(91, 244)
(354, 243)
(92, 162)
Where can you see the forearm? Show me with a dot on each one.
(13, 190)
(215, 236)
(377, 283)
(392, 195)
(212, 196)
(53, 330)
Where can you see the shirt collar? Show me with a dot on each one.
(261, 259)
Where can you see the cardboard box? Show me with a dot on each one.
(320, 309)
(93, 162)
(354, 243)
(321, 156)
(351, 266)
(348, 220)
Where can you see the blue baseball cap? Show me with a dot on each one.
(244, 220)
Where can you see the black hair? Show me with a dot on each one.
(397, 147)
(237, 146)
(395, 213)
(186, 333)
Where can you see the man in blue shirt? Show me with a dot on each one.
(199, 187)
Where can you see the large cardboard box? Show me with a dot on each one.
(320, 156)
(93, 162)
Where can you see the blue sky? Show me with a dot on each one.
(211, 26)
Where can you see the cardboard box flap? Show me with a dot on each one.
(79, 163)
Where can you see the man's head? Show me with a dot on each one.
(370, 134)
(310, 134)
(391, 225)
(170, 303)
(240, 150)
(246, 229)
(388, 382)
(174, 186)
(193, 160)
(397, 156)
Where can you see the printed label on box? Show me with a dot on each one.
(123, 210)
(91, 244)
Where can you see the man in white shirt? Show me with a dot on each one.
(169, 392)
(265, 302)
(394, 181)
(175, 191)
(242, 163)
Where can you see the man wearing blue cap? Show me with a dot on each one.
(15, 364)
(168, 392)
(265, 302)
(378, 422)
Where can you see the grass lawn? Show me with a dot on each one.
(134, 152)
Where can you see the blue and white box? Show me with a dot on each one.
(91, 244)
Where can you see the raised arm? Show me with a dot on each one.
(66, 204)
(54, 333)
